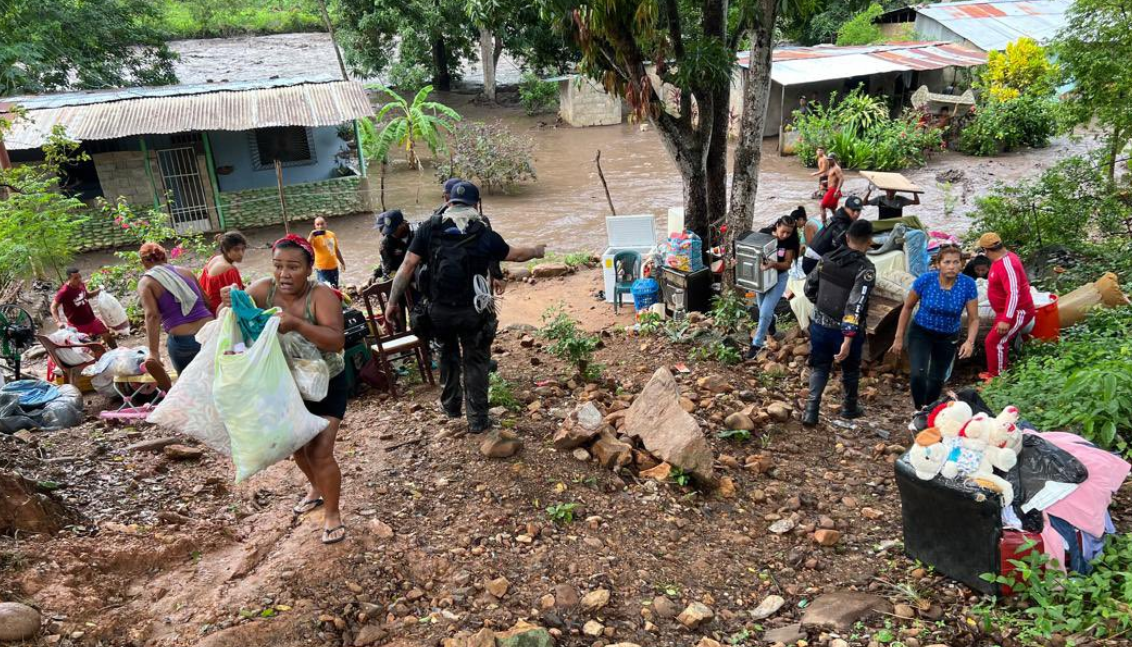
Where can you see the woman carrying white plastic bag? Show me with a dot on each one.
(314, 311)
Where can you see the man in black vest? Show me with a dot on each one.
(458, 250)
(832, 235)
(839, 288)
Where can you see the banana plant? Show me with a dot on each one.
(416, 123)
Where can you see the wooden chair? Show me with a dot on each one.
(72, 374)
(393, 337)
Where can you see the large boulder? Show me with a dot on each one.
(582, 426)
(841, 610)
(666, 429)
(24, 509)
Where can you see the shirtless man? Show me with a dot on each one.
(822, 173)
(833, 193)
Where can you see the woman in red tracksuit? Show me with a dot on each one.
(1008, 290)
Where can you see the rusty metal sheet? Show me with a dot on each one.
(801, 65)
(174, 109)
(991, 25)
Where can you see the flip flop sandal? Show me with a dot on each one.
(326, 533)
(306, 505)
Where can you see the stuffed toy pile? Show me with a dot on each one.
(958, 444)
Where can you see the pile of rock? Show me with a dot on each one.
(657, 429)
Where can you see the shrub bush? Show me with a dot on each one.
(536, 95)
(1023, 69)
(860, 30)
(1000, 126)
(862, 134)
(491, 155)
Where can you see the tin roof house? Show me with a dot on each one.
(206, 153)
(987, 25)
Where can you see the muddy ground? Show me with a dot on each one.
(172, 553)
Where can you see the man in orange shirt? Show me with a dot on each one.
(328, 259)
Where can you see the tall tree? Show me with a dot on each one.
(517, 25)
(50, 45)
(398, 37)
(1093, 50)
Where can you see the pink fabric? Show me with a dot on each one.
(1053, 544)
(1085, 507)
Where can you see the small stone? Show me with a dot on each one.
(727, 488)
(768, 607)
(501, 444)
(782, 526)
(739, 420)
(660, 472)
(695, 614)
(687, 405)
(827, 523)
(565, 596)
(581, 454)
(369, 635)
(838, 642)
(380, 529)
(788, 635)
(523, 634)
(547, 602)
(547, 270)
(708, 642)
(183, 452)
(595, 600)
(498, 587)
(714, 384)
(870, 513)
(593, 628)
(779, 411)
(827, 537)
(665, 608)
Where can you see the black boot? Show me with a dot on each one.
(850, 409)
(818, 380)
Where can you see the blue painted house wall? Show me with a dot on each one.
(235, 149)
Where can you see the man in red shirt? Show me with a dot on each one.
(74, 300)
(1008, 290)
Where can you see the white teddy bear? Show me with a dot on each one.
(949, 420)
(974, 461)
(928, 454)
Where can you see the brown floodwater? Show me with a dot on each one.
(566, 207)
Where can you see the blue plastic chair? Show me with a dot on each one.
(626, 269)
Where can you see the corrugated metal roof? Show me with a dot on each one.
(800, 65)
(109, 114)
(993, 25)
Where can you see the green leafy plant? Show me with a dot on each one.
(491, 155)
(569, 342)
(1082, 383)
(680, 477)
(1007, 124)
(718, 351)
(1094, 605)
(561, 513)
(536, 95)
(1023, 69)
(411, 125)
(500, 393)
(860, 29)
(649, 323)
(38, 221)
(730, 312)
(734, 434)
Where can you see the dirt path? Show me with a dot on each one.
(173, 554)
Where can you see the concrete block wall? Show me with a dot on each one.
(584, 103)
(122, 174)
(99, 231)
(260, 207)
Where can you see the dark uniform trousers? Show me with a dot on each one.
(465, 337)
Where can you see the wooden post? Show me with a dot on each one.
(282, 200)
(597, 160)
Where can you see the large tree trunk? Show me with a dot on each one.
(748, 152)
(441, 77)
(487, 60)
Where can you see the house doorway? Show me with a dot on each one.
(188, 202)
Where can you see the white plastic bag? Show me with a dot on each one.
(111, 312)
(258, 400)
(188, 408)
(71, 356)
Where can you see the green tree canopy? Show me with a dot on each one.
(1093, 50)
(860, 30)
(51, 45)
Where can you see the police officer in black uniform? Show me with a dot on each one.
(832, 235)
(839, 287)
(457, 249)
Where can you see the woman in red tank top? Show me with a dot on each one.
(220, 271)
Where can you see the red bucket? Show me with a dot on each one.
(1047, 324)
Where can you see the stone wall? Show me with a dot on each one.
(584, 103)
(260, 207)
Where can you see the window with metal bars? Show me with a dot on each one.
(291, 145)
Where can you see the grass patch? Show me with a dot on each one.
(211, 19)
(573, 260)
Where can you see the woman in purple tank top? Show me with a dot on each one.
(172, 299)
